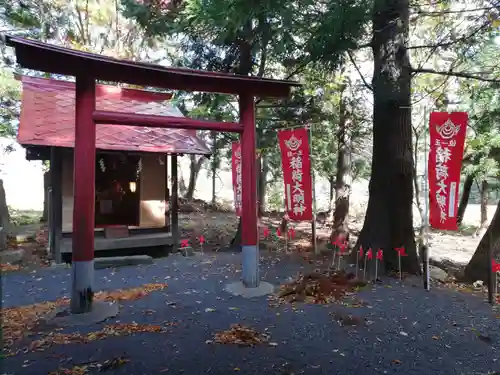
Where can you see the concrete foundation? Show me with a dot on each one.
(100, 311)
(239, 289)
(132, 260)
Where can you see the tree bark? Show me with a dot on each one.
(215, 156)
(4, 218)
(477, 269)
(340, 230)
(464, 200)
(46, 186)
(331, 205)
(263, 169)
(483, 225)
(389, 217)
(194, 170)
(244, 68)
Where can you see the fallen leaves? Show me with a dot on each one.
(347, 319)
(75, 370)
(241, 335)
(7, 267)
(19, 322)
(129, 294)
(110, 364)
(317, 288)
(78, 338)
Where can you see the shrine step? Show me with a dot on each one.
(133, 260)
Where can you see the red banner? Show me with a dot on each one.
(295, 158)
(236, 163)
(447, 138)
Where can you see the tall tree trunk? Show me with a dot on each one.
(215, 161)
(484, 192)
(331, 183)
(4, 218)
(389, 217)
(194, 170)
(46, 186)
(464, 200)
(245, 68)
(340, 228)
(182, 184)
(331, 205)
(477, 269)
(263, 169)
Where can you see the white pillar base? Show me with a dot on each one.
(250, 273)
(82, 291)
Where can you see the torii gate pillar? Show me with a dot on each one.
(249, 218)
(84, 197)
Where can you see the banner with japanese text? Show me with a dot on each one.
(296, 162)
(236, 164)
(447, 139)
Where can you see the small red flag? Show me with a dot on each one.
(201, 239)
(343, 247)
(401, 251)
(278, 232)
(266, 232)
(495, 266)
(184, 243)
(361, 252)
(369, 253)
(380, 254)
(291, 233)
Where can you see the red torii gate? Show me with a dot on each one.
(87, 68)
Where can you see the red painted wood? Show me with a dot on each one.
(84, 167)
(45, 57)
(120, 118)
(249, 231)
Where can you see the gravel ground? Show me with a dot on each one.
(397, 337)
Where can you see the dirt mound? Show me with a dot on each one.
(241, 335)
(318, 288)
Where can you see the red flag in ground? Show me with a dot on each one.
(380, 254)
(495, 266)
(201, 239)
(401, 251)
(361, 253)
(236, 164)
(343, 247)
(369, 254)
(184, 243)
(295, 158)
(266, 232)
(447, 138)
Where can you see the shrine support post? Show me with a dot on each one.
(249, 231)
(84, 197)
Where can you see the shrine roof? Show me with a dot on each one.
(49, 58)
(48, 119)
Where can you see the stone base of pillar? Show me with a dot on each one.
(239, 289)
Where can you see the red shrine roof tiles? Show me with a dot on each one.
(48, 119)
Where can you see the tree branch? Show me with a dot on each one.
(443, 12)
(451, 73)
(368, 86)
(452, 42)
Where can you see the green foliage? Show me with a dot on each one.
(275, 196)
(10, 93)
(482, 102)
(24, 217)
